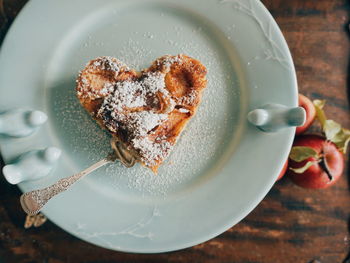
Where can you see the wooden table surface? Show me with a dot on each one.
(291, 224)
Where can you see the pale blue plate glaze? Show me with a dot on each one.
(222, 166)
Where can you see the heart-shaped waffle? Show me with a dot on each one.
(148, 110)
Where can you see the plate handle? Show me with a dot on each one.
(21, 123)
(274, 117)
(31, 165)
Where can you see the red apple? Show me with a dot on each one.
(310, 113)
(326, 168)
(283, 171)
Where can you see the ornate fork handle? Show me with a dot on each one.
(33, 201)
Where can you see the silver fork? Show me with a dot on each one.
(32, 202)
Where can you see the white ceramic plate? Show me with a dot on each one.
(221, 168)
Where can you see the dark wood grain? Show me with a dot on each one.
(291, 224)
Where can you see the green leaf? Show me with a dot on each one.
(345, 145)
(301, 153)
(332, 130)
(342, 139)
(320, 115)
(304, 168)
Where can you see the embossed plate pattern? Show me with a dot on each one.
(221, 168)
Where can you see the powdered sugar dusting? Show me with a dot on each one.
(83, 137)
(133, 52)
(168, 61)
(133, 106)
(107, 89)
(133, 94)
(150, 151)
(107, 63)
(190, 97)
(140, 123)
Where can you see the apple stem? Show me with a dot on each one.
(324, 166)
